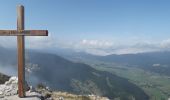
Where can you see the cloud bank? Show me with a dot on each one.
(92, 46)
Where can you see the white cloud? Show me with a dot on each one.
(96, 43)
(33, 42)
(93, 46)
(165, 44)
(8, 41)
(104, 47)
(39, 42)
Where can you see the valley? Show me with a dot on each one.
(154, 82)
(78, 72)
(85, 49)
(60, 74)
(149, 71)
(155, 85)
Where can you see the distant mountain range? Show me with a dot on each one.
(64, 75)
(158, 62)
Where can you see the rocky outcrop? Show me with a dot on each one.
(9, 88)
(69, 96)
(8, 91)
(29, 96)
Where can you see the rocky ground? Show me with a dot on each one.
(8, 91)
(9, 88)
(68, 96)
(30, 96)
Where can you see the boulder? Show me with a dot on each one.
(9, 90)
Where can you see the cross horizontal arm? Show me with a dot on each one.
(23, 32)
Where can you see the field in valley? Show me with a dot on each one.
(155, 85)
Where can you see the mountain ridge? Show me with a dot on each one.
(157, 62)
(64, 75)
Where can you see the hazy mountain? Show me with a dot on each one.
(158, 62)
(64, 75)
(3, 78)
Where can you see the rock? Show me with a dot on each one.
(9, 88)
(31, 89)
(8, 91)
(1, 92)
(1, 96)
(61, 98)
(12, 80)
(30, 96)
(68, 96)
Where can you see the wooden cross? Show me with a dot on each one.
(20, 33)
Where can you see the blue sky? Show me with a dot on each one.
(94, 23)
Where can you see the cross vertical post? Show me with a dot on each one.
(21, 33)
(21, 52)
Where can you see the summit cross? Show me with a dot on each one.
(20, 33)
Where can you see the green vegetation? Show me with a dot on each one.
(41, 86)
(155, 85)
(64, 75)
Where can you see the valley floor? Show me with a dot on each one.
(155, 85)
